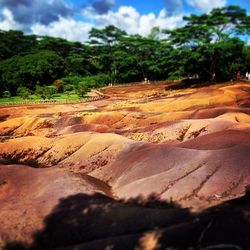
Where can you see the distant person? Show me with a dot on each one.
(247, 76)
(238, 75)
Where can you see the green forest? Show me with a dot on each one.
(210, 47)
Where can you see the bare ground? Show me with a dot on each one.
(71, 163)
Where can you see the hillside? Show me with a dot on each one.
(177, 154)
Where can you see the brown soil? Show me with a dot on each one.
(189, 147)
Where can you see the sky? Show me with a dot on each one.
(73, 19)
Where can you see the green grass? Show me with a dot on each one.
(65, 97)
(34, 99)
(11, 99)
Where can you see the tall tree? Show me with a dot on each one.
(15, 42)
(206, 37)
(148, 55)
(60, 46)
(105, 42)
(42, 67)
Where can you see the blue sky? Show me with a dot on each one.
(73, 19)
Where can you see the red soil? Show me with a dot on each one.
(189, 146)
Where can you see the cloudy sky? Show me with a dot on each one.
(73, 19)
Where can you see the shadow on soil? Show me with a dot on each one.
(3, 118)
(194, 83)
(97, 222)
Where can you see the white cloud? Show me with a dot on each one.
(129, 19)
(66, 28)
(126, 18)
(7, 21)
(206, 5)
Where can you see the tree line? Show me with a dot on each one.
(210, 47)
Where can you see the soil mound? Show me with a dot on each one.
(187, 146)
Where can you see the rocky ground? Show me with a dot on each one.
(145, 168)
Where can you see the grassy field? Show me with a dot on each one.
(37, 99)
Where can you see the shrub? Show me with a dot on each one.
(81, 88)
(51, 90)
(6, 94)
(99, 80)
(45, 91)
(72, 80)
(96, 81)
(59, 85)
(68, 88)
(23, 92)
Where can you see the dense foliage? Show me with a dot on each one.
(211, 47)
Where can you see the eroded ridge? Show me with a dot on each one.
(187, 146)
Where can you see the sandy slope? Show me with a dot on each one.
(189, 146)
